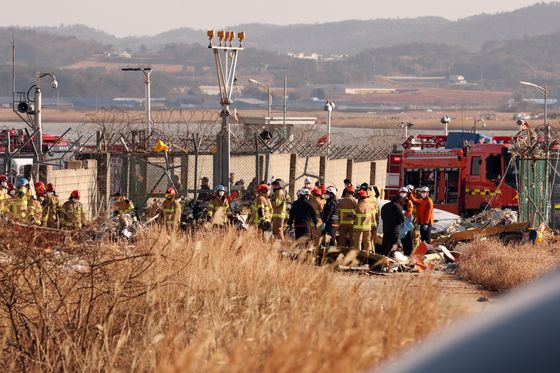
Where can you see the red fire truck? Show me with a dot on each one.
(462, 179)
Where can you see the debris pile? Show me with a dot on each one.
(488, 218)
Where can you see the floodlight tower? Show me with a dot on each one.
(147, 91)
(225, 70)
(38, 99)
(329, 107)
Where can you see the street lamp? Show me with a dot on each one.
(405, 126)
(268, 91)
(147, 91)
(38, 112)
(329, 107)
(544, 91)
(445, 120)
(476, 121)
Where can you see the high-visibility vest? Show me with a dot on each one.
(51, 208)
(18, 208)
(279, 204)
(35, 212)
(72, 215)
(261, 202)
(171, 211)
(218, 208)
(4, 201)
(346, 208)
(363, 216)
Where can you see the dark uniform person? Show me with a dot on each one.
(302, 214)
(392, 217)
(330, 216)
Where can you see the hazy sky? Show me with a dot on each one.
(142, 17)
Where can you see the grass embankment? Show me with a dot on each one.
(219, 302)
(499, 267)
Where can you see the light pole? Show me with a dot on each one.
(329, 107)
(38, 109)
(268, 91)
(476, 121)
(445, 120)
(147, 93)
(405, 126)
(226, 79)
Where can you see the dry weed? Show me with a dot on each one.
(500, 267)
(218, 302)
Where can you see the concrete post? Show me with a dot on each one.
(293, 166)
(349, 168)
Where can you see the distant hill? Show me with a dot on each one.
(351, 37)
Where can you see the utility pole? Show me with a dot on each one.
(38, 100)
(147, 93)
(285, 111)
(329, 107)
(225, 70)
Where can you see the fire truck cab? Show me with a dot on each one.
(462, 180)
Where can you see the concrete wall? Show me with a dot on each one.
(335, 173)
(280, 166)
(361, 173)
(380, 174)
(84, 180)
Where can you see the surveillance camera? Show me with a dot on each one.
(519, 122)
(54, 84)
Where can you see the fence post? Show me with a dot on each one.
(322, 167)
(293, 166)
(104, 179)
(372, 173)
(185, 174)
(349, 168)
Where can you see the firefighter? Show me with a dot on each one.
(307, 183)
(363, 219)
(318, 203)
(171, 209)
(51, 207)
(392, 216)
(35, 205)
(302, 215)
(424, 213)
(72, 213)
(4, 196)
(279, 200)
(408, 208)
(122, 205)
(218, 207)
(19, 202)
(372, 200)
(330, 216)
(261, 208)
(347, 206)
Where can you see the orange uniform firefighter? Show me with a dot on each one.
(51, 207)
(218, 207)
(363, 219)
(424, 213)
(171, 209)
(318, 203)
(346, 208)
(72, 213)
(261, 209)
(279, 201)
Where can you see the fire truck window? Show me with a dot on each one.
(494, 167)
(452, 179)
(412, 178)
(475, 166)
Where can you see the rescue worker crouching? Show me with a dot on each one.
(122, 205)
(347, 206)
(4, 196)
(279, 201)
(51, 207)
(363, 219)
(72, 213)
(330, 217)
(219, 211)
(302, 215)
(261, 209)
(171, 209)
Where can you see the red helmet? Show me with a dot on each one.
(50, 187)
(171, 191)
(317, 192)
(75, 194)
(262, 188)
(40, 188)
(3, 178)
(350, 189)
(362, 194)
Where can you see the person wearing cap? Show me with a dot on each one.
(392, 216)
(363, 218)
(218, 211)
(330, 216)
(261, 209)
(408, 208)
(318, 204)
(424, 213)
(279, 201)
(72, 213)
(347, 207)
(51, 208)
(302, 215)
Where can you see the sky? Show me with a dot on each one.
(142, 17)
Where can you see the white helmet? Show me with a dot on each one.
(425, 189)
(303, 192)
(307, 180)
(332, 190)
(403, 190)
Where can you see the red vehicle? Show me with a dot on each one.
(462, 180)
